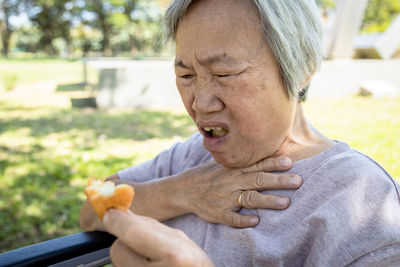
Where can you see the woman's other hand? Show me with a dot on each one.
(142, 241)
(212, 191)
(88, 219)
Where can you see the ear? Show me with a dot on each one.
(306, 81)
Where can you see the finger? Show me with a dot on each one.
(240, 221)
(139, 233)
(122, 256)
(270, 181)
(256, 200)
(88, 219)
(269, 165)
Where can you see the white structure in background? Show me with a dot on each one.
(379, 45)
(136, 84)
(349, 15)
(378, 89)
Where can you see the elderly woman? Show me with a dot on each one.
(242, 69)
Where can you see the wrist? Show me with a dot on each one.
(174, 190)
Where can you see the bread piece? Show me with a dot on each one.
(105, 195)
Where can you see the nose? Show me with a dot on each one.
(204, 102)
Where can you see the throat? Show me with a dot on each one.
(303, 140)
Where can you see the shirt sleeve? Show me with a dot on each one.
(169, 162)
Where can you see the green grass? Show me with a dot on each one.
(46, 156)
(38, 70)
(48, 150)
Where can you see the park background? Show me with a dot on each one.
(48, 148)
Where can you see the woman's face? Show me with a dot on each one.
(230, 84)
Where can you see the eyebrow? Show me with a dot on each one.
(210, 61)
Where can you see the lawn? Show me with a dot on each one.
(48, 149)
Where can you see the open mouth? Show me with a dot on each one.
(215, 131)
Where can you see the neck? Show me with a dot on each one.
(303, 140)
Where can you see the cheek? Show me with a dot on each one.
(259, 110)
(246, 99)
(187, 98)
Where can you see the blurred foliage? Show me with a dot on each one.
(74, 28)
(379, 15)
(326, 4)
(53, 20)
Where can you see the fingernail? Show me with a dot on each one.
(283, 202)
(294, 180)
(253, 220)
(285, 162)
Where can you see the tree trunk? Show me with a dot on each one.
(5, 28)
(5, 39)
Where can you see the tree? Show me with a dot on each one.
(379, 15)
(8, 8)
(27, 38)
(52, 19)
(326, 6)
(123, 23)
(143, 26)
(102, 10)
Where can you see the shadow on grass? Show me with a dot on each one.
(135, 125)
(70, 87)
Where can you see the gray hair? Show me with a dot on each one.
(292, 29)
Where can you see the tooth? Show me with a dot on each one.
(207, 129)
(219, 132)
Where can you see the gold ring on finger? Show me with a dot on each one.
(240, 199)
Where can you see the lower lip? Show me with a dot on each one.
(214, 143)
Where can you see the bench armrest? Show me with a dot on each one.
(76, 249)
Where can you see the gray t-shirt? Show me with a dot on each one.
(347, 212)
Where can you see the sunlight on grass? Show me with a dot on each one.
(35, 71)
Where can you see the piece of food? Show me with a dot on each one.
(105, 195)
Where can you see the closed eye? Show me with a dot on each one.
(187, 76)
(226, 75)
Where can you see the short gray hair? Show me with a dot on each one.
(292, 29)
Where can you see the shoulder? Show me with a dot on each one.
(190, 153)
(177, 158)
(349, 201)
(348, 168)
(185, 154)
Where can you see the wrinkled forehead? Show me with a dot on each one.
(230, 21)
(219, 12)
